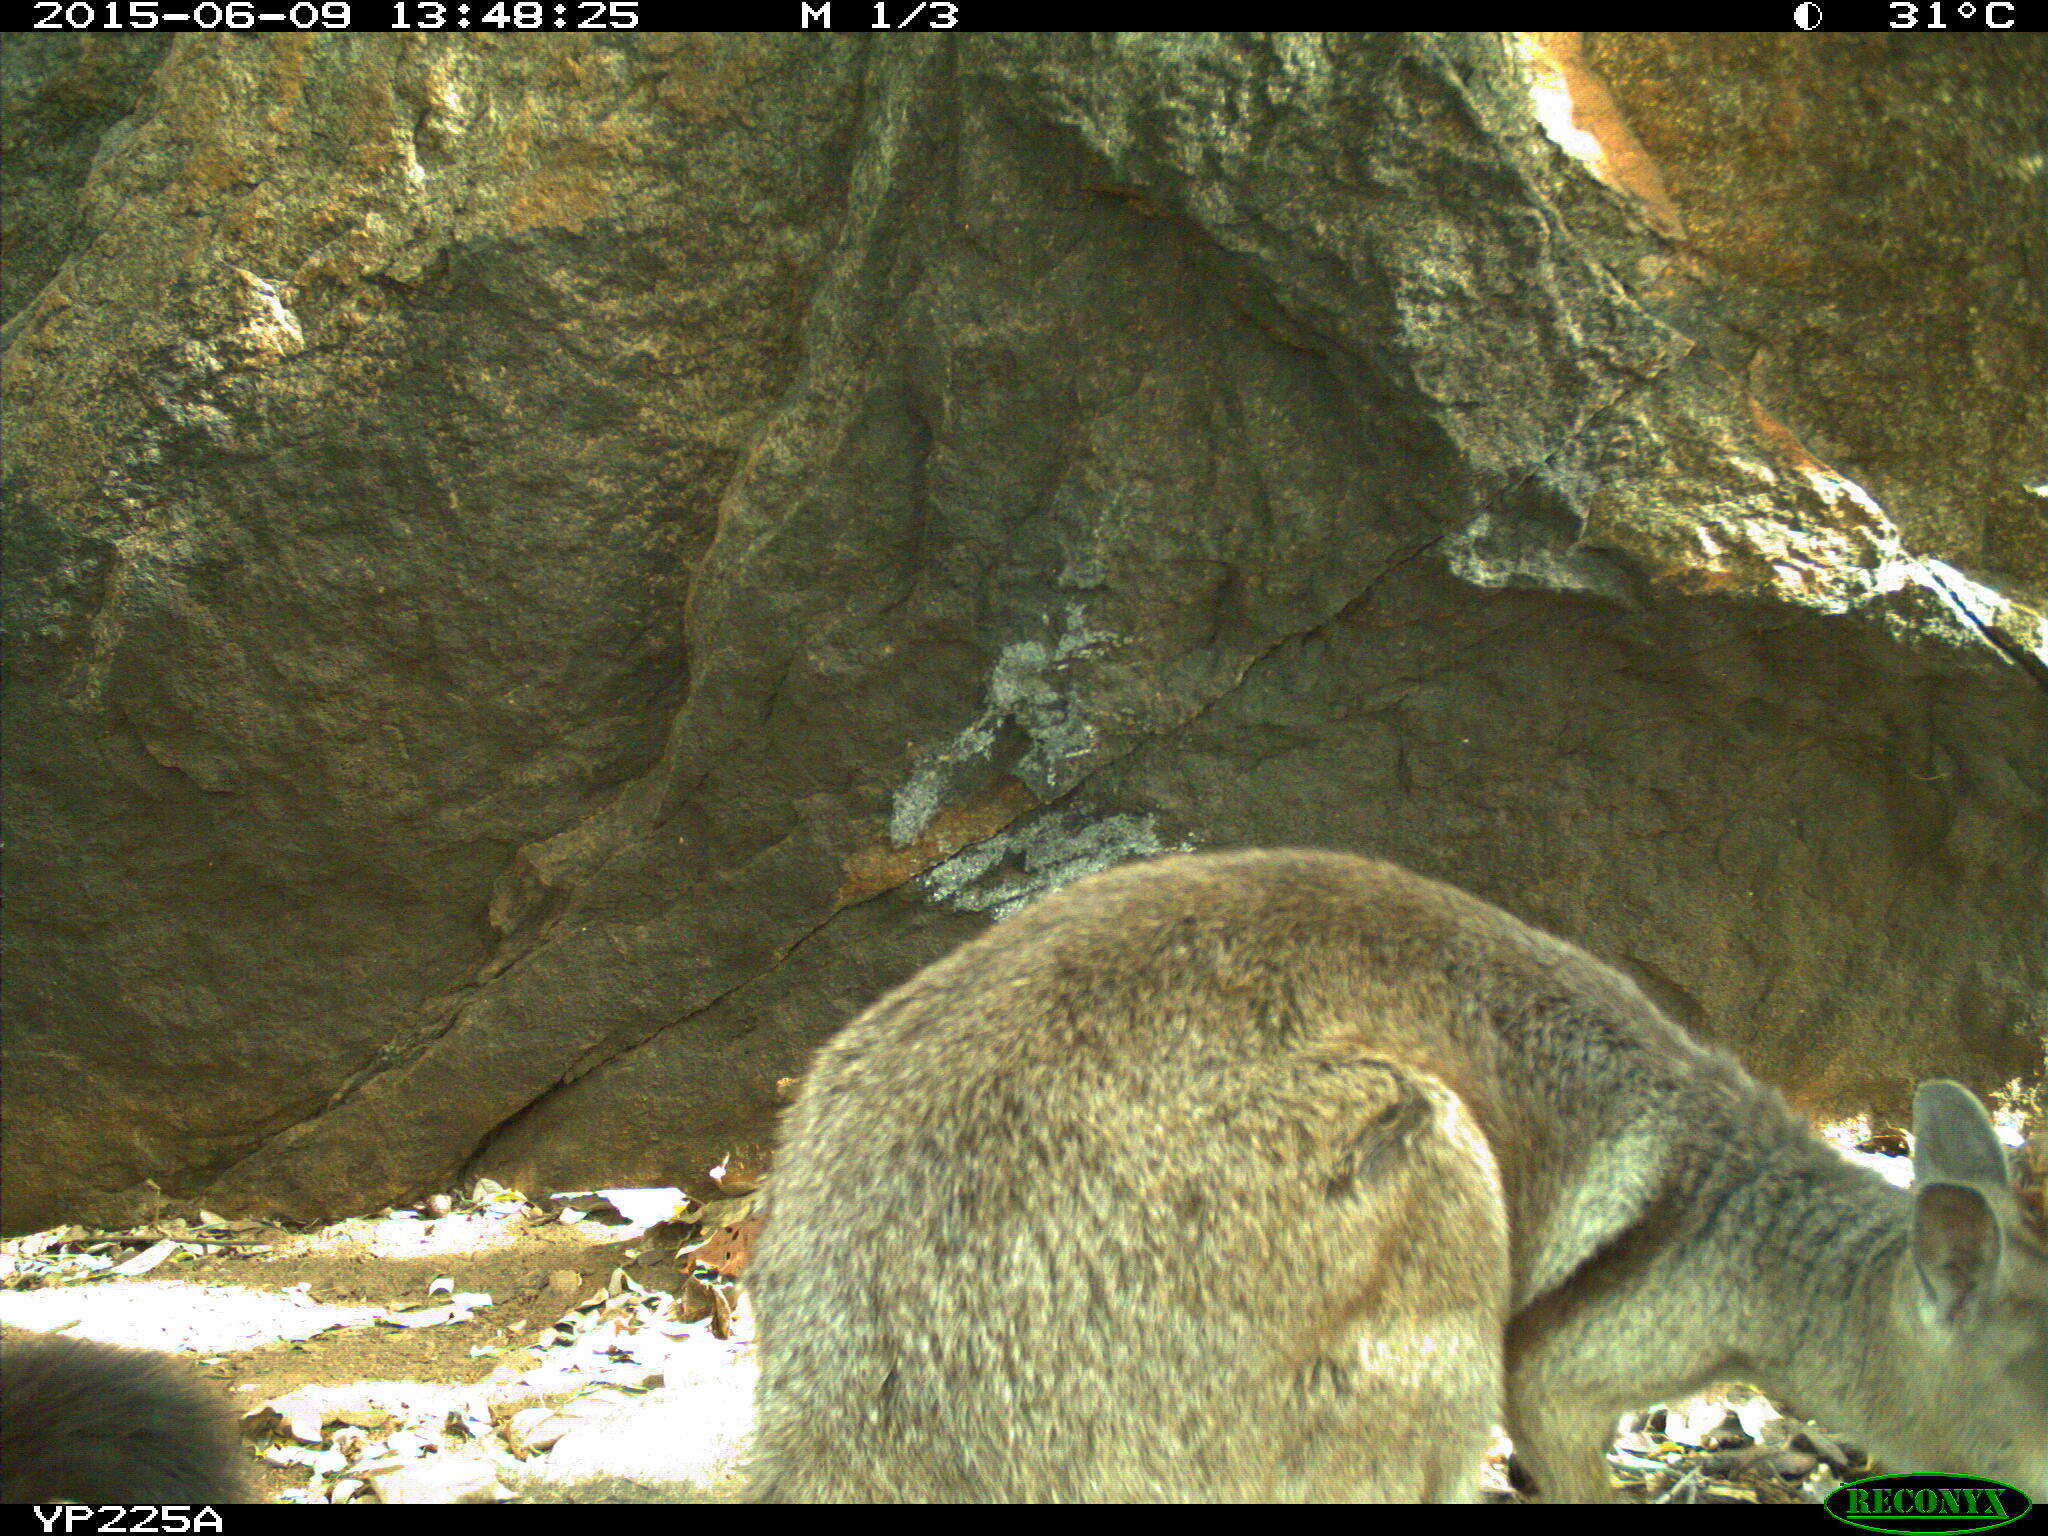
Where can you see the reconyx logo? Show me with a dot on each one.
(1927, 1502)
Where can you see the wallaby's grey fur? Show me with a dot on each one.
(88, 1423)
(1284, 1175)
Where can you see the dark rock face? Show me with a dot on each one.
(1870, 211)
(540, 580)
(63, 104)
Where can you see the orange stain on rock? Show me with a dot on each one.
(875, 870)
(1579, 113)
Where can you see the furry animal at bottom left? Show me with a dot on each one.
(88, 1423)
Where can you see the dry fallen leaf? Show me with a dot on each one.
(726, 1251)
(145, 1261)
(645, 1207)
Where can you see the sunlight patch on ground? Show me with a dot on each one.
(173, 1315)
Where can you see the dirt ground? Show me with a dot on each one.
(452, 1352)
(598, 1348)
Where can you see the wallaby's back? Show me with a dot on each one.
(1232, 1177)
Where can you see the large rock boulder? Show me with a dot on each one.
(542, 578)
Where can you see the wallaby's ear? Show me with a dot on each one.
(1961, 1186)
(1956, 1249)
(1953, 1142)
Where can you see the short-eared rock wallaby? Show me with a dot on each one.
(1284, 1175)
